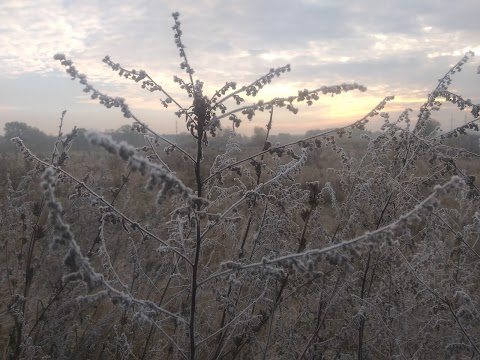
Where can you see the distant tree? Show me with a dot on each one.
(432, 127)
(124, 129)
(284, 138)
(258, 137)
(124, 133)
(81, 143)
(35, 138)
(3, 143)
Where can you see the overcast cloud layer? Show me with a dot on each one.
(399, 48)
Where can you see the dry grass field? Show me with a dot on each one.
(345, 244)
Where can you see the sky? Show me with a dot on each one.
(392, 47)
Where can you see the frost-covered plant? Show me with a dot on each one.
(377, 257)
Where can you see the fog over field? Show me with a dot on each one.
(239, 180)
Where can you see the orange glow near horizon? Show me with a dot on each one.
(327, 112)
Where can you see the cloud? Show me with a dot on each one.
(32, 31)
(400, 47)
(9, 108)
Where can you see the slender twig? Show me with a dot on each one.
(368, 236)
(323, 133)
(112, 208)
(445, 300)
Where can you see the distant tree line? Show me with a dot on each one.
(41, 143)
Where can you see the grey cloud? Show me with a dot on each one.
(385, 46)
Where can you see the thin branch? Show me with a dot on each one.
(360, 122)
(105, 202)
(368, 237)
